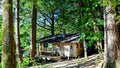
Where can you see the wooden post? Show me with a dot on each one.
(39, 49)
(85, 49)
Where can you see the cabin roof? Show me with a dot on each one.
(60, 38)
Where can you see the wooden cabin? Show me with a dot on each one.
(64, 45)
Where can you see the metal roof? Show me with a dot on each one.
(60, 38)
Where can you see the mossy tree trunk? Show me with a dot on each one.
(33, 39)
(111, 37)
(8, 42)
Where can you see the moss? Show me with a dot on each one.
(8, 42)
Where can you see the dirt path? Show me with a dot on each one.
(91, 62)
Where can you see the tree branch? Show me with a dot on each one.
(43, 27)
(45, 24)
(44, 15)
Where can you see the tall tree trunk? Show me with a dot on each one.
(8, 42)
(18, 48)
(112, 41)
(33, 39)
(52, 24)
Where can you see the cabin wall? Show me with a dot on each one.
(66, 49)
(73, 51)
(79, 49)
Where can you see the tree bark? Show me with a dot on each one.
(8, 42)
(18, 48)
(34, 20)
(111, 38)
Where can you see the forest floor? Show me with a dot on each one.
(93, 61)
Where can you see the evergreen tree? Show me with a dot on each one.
(33, 38)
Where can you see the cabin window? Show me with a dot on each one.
(45, 45)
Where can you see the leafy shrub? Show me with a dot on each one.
(26, 62)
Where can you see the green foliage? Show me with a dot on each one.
(118, 13)
(104, 3)
(45, 66)
(26, 62)
(25, 35)
(0, 65)
(0, 38)
(86, 19)
(82, 36)
(108, 2)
